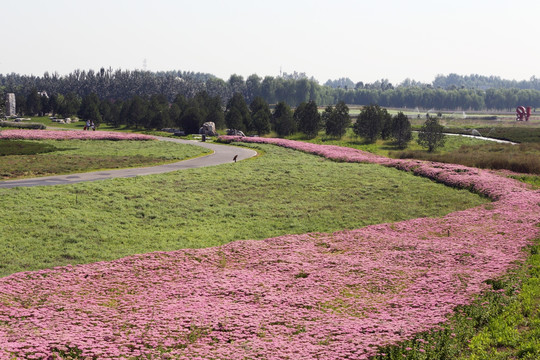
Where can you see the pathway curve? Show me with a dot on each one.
(222, 154)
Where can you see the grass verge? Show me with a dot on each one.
(283, 192)
(30, 158)
(522, 158)
(386, 147)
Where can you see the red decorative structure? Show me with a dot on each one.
(523, 113)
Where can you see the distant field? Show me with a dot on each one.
(460, 118)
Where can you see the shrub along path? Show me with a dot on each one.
(222, 154)
(331, 296)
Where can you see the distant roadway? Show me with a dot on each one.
(222, 154)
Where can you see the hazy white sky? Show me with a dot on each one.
(362, 40)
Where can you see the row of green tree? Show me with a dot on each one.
(475, 81)
(375, 122)
(156, 112)
(294, 90)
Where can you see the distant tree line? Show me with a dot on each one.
(256, 117)
(293, 89)
(475, 81)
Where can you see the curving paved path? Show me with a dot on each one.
(222, 154)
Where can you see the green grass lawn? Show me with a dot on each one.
(385, 147)
(281, 192)
(29, 158)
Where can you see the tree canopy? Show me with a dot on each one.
(370, 122)
(308, 119)
(282, 119)
(431, 135)
(337, 120)
(401, 130)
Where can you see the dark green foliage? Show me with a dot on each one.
(158, 112)
(308, 119)
(89, 109)
(337, 120)
(2, 103)
(237, 113)
(69, 105)
(401, 130)
(20, 104)
(431, 135)
(181, 101)
(214, 112)
(298, 113)
(386, 129)
(282, 120)
(370, 122)
(33, 103)
(137, 111)
(191, 120)
(121, 85)
(109, 112)
(260, 116)
(20, 147)
(54, 104)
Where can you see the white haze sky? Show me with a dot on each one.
(362, 40)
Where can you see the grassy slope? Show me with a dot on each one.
(279, 193)
(500, 324)
(382, 147)
(522, 158)
(50, 157)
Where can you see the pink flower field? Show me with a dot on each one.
(70, 135)
(311, 296)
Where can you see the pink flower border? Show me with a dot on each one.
(70, 135)
(331, 296)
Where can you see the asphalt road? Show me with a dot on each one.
(222, 154)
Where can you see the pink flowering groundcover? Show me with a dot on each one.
(311, 296)
(70, 135)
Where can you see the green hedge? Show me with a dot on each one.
(20, 125)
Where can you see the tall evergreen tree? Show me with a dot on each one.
(260, 116)
(386, 128)
(137, 111)
(70, 105)
(297, 114)
(237, 113)
(33, 103)
(158, 112)
(401, 130)
(370, 122)
(431, 135)
(89, 109)
(308, 118)
(338, 120)
(191, 120)
(283, 120)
